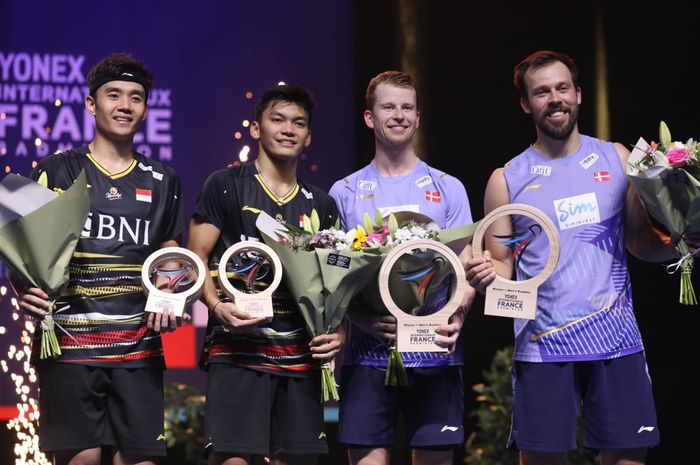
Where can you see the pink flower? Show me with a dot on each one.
(678, 156)
(375, 240)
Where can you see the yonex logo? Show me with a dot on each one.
(645, 428)
(449, 428)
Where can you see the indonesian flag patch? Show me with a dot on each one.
(601, 176)
(433, 196)
(143, 195)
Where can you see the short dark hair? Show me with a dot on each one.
(284, 93)
(119, 67)
(537, 60)
(392, 78)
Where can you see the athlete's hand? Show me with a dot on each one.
(325, 346)
(234, 319)
(480, 271)
(379, 326)
(166, 321)
(446, 335)
(34, 302)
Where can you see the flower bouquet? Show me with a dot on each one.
(325, 269)
(666, 176)
(39, 231)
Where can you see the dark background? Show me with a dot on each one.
(471, 123)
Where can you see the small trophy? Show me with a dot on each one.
(251, 263)
(172, 278)
(422, 283)
(517, 299)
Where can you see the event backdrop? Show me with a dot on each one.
(211, 59)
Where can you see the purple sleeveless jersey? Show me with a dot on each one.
(584, 309)
(426, 191)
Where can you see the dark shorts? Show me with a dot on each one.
(83, 407)
(432, 406)
(614, 396)
(258, 413)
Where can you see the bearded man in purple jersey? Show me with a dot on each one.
(432, 404)
(584, 347)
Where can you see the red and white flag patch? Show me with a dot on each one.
(433, 196)
(601, 176)
(143, 195)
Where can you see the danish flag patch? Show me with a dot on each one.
(601, 176)
(433, 196)
(143, 195)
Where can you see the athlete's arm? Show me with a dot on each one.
(203, 238)
(481, 271)
(641, 238)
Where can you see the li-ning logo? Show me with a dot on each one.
(542, 170)
(127, 74)
(366, 185)
(589, 160)
(113, 194)
(424, 181)
(645, 428)
(449, 428)
(577, 211)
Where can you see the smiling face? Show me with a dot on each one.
(283, 130)
(394, 116)
(552, 100)
(119, 108)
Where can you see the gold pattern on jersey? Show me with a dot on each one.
(107, 173)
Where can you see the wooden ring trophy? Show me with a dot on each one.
(517, 299)
(258, 304)
(173, 278)
(417, 333)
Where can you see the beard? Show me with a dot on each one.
(555, 131)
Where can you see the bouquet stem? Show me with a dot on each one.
(395, 370)
(49, 343)
(687, 290)
(328, 388)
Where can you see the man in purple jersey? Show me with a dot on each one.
(432, 404)
(104, 393)
(584, 347)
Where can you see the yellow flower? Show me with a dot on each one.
(359, 239)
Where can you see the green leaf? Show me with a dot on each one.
(315, 221)
(378, 218)
(306, 221)
(393, 224)
(665, 135)
(367, 223)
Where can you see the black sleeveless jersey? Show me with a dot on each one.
(101, 312)
(231, 200)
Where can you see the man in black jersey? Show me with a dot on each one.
(263, 393)
(104, 393)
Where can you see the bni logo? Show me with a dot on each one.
(577, 211)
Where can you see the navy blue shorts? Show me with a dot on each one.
(259, 413)
(83, 407)
(432, 406)
(614, 396)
